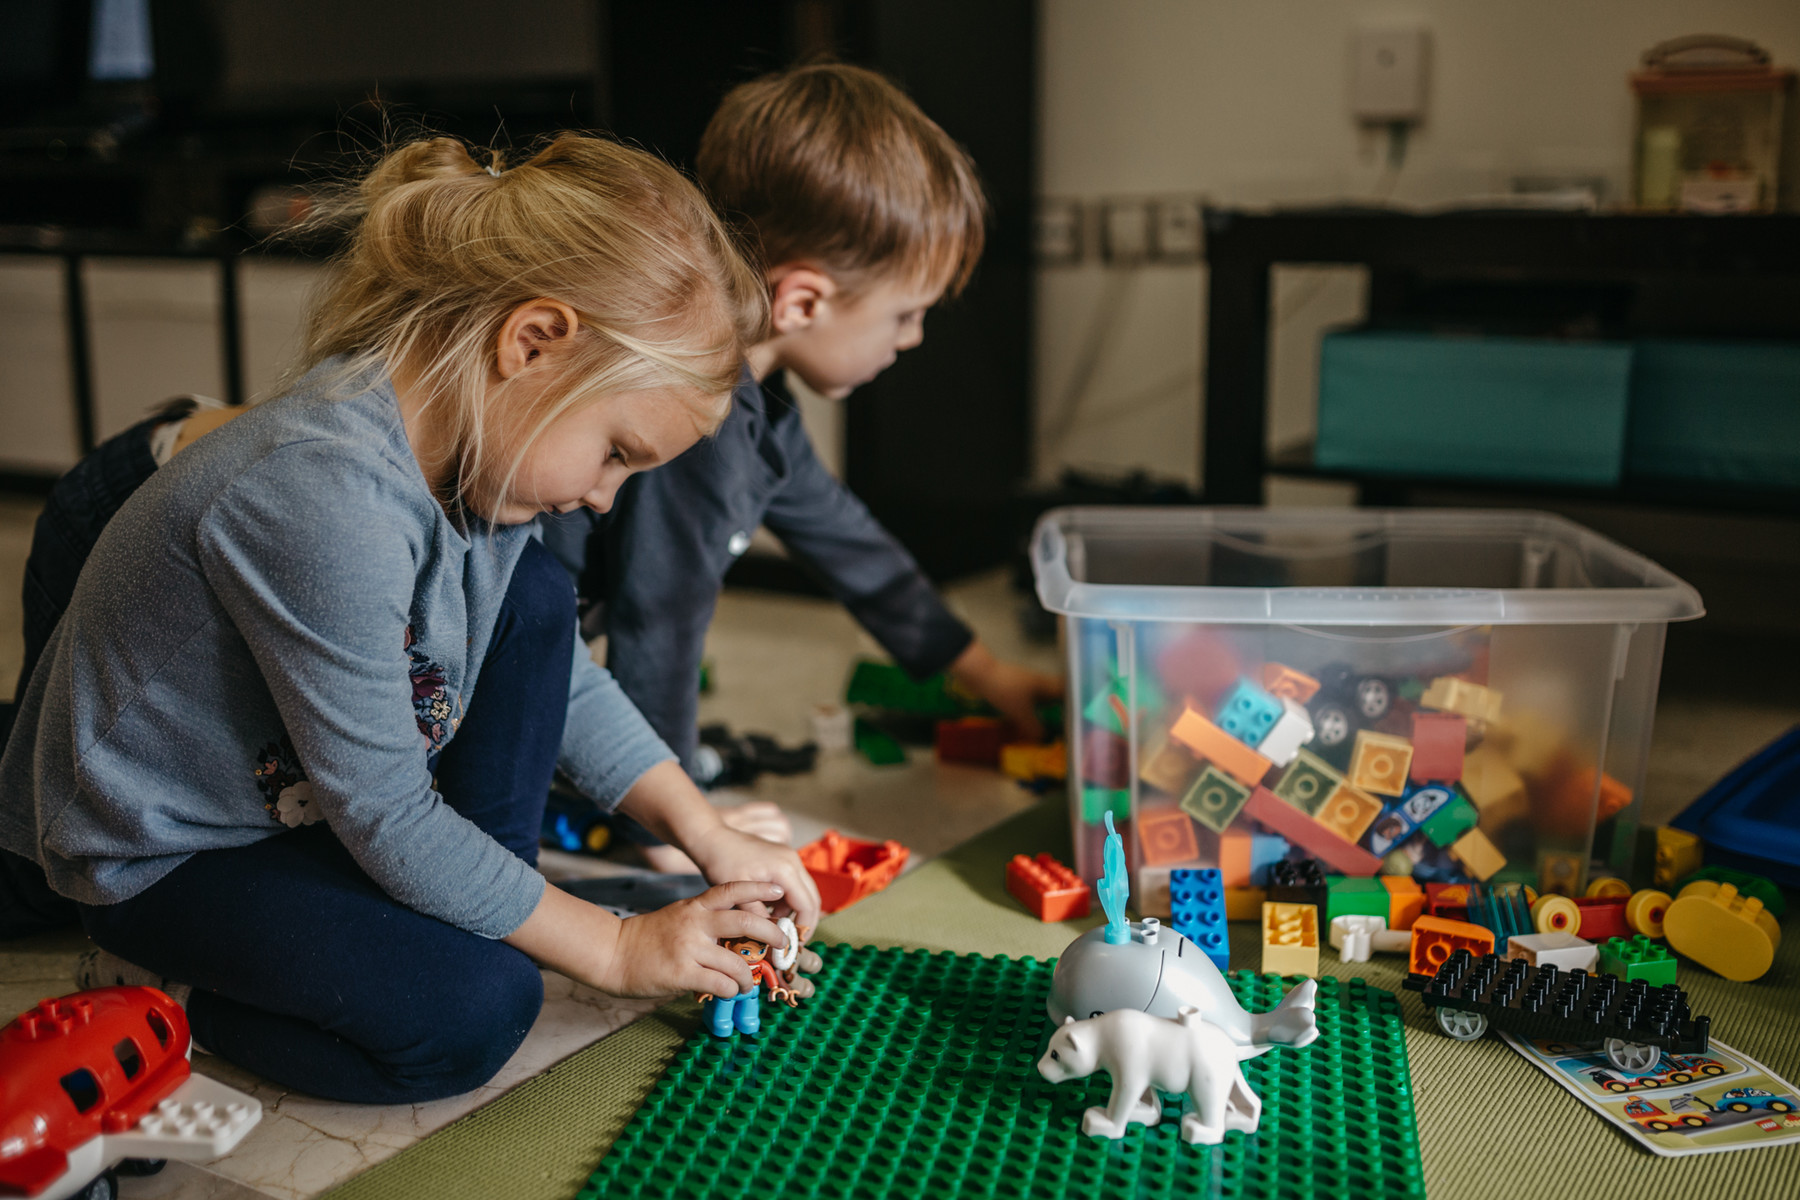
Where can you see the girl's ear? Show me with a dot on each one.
(799, 293)
(535, 332)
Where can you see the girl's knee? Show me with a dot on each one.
(541, 597)
(474, 1031)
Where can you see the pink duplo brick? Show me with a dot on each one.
(1438, 740)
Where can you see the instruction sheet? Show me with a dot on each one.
(1686, 1104)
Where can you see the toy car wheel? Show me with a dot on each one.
(1712, 1069)
(1617, 1085)
(1463, 1026)
(1693, 1122)
(1647, 1081)
(1680, 1077)
(1738, 1106)
(1780, 1106)
(1660, 1126)
(1331, 726)
(1373, 698)
(106, 1187)
(1635, 1057)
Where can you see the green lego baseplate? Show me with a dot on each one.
(915, 1074)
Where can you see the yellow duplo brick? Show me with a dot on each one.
(1171, 769)
(1496, 790)
(1717, 927)
(1348, 812)
(1290, 939)
(1245, 903)
(1478, 856)
(1447, 693)
(1379, 762)
(1678, 855)
(1536, 747)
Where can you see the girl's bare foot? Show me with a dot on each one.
(759, 818)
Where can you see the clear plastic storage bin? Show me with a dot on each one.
(1454, 695)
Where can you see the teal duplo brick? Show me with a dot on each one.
(915, 1074)
(1248, 713)
(1473, 407)
(1197, 909)
(1722, 411)
(1638, 958)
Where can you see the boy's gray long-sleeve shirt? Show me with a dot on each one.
(282, 625)
(656, 561)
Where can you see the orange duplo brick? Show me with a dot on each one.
(1234, 858)
(1245, 903)
(1213, 744)
(1048, 890)
(1348, 812)
(1278, 816)
(1379, 762)
(1278, 680)
(1406, 900)
(1171, 769)
(1166, 836)
(1434, 939)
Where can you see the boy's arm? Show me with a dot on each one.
(823, 524)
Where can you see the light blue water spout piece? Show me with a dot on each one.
(1114, 887)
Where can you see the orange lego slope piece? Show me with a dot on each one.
(1434, 939)
(1406, 900)
(1216, 746)
(1278, 816)
(846, 869)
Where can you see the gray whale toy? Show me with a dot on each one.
(1148, 966)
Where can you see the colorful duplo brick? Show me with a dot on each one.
(1290, 939)
(1278, 816)
(1215, 800)
(1049, 890)
(1450, 694)
(1197, 910)
(1349, 895)
(1248, 713)
(1478, 856)
(1348, 812)
(1096, 802)
(1638, 958)
(1308, 782)
(1283, 681)
(1207, 741)
(1166, 836)
(1379, 762)
(1438, 742)
(1293, 729)
(1562, 950)
(1723, 930)
(1452, 819)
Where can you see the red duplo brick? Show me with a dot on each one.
(972, 740)
(1200, 664)
(1278, 816)
(1438, 740)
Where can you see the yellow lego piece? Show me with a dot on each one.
(1028, 761)
(1678, 855)
(1171, 769)
(1290, 939)
(1379, 762)
(1348, 812)
(1714, 925)
(1245, 903)
(1607, 887)
(1496, 790)
(1560, 874)
(1537, 748)
(1477, 855)
(1645, 911)
(1447, 693)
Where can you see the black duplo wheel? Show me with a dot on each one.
(106, 1187)
(141, 1166)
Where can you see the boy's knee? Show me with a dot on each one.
(474, 1031)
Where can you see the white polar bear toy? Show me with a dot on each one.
(1145, 1054)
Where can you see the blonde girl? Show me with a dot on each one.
(288, 748)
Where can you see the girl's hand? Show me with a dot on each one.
(1016, 691)
(676, 949)
(723, 853)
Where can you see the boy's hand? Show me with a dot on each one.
(1016, 691)
(676, 949)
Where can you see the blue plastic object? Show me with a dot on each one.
(1197, 908)
(1501, 909)
(1266, 849)
(1248, 713)
(1114, 887)
(1751, 818)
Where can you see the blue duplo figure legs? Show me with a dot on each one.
(749, 1011)
(718, 1015)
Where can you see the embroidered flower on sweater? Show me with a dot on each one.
(295, 806)
(433, 708)
(287, 796)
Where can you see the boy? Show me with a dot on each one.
(865, 214)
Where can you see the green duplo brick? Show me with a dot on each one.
(1215, 799)
(1307, 783)
(1449, 822)
(1638, 958)
(913, 1074)
(1097, 801)
(1349, 894)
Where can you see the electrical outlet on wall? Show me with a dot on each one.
(1175, 229)
(1388, 74)
(1125, 232)
(1058, 232)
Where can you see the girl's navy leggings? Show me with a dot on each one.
(307, 973)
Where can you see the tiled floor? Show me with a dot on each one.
(772, 658)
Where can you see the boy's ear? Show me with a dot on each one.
(798, 292)
(536, 330)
